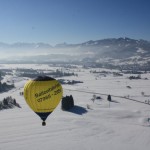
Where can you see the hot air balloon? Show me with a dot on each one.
(43, 94)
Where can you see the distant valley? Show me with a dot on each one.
(105, 52)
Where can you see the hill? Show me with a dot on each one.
(111, 51)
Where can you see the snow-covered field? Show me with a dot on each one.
(121, 125)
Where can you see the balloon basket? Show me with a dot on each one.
(43, 123)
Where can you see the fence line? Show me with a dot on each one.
(107, 95)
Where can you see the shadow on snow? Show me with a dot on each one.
(78, 110)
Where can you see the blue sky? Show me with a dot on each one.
(73, 21)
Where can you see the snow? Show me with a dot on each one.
(122, 124)
(140, 50)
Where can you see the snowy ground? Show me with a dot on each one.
(120, 125)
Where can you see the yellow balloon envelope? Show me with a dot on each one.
(43, 94)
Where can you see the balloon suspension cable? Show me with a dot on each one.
(43, 123)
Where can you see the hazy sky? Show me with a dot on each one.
(73, 21)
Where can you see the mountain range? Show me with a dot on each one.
(117, 50)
